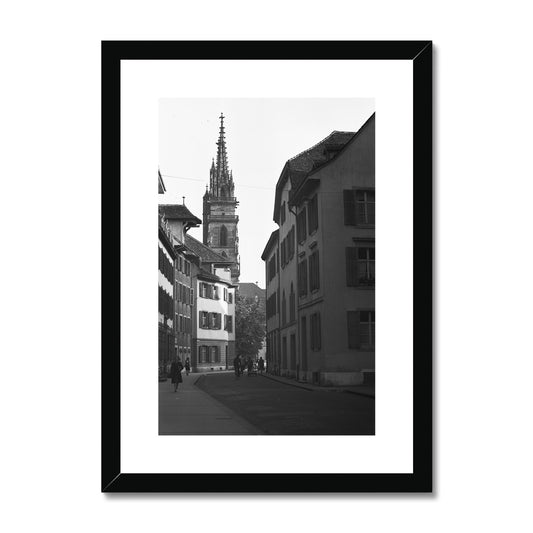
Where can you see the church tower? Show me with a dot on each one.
(219, 218)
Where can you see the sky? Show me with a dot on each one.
(261, 135)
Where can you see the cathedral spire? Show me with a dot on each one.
(220, 220)
(221, 181)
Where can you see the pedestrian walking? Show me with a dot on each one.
(261, 364)
(187, 366)
(175, 373)
(237, 366)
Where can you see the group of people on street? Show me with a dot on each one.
(239, 365)
(175, 371)
(248, 364)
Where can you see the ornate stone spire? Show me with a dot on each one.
(221, 181)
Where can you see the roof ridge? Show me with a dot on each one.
(319, 143)
(222, 258)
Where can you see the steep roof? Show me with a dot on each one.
(335, 152)
(274, 236)
(309, 159)
(177, 212)
(204, 252)
(297, 167)
(162, 188)
(251, 290)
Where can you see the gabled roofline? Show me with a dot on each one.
(286, 167)
(327, 162)
(274, 236)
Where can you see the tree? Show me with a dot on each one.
(250, 330)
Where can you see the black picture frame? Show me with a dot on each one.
(420, 480)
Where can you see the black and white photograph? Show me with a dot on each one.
(267, 262)
(330, 346)
(289, 319)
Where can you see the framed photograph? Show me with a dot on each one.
(291, 350)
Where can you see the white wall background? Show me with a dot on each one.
(50, 169)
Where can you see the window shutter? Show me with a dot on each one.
(349, 207)
(351, 263)
(218, 320)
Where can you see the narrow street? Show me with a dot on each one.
(220, 403)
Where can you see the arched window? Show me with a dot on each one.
(223, 236)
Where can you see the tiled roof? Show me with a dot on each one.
(178, 212)
(251, 290)
(204, 252)
(299, 165)
(206, 275)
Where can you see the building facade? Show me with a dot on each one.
(220, 220)
(271, 258)
(213, 321)
(179, 220)
(167, 337)
(329, 191)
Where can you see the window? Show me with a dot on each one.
(230, 297)
(359, 207)
(215, 292)
(312, 214)
(215, 354)
(215, 322)
(292, 305)
(303, 342)
(360, 266)
(284, 310)
(228, 323)
(316, 338)
(291, 246)
(301, 223)
(202, 354)
(302, 278)
(361, 329)
(272, 268)
(365, 207)
(223, 236)
(283, 253)
(314, 272)
(282, 213)
(271, 305)
(203, 319)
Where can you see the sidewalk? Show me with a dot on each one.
(190, 411)
(363, 390)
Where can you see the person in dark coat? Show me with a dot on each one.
(187, 366)
(175, 373)
(237, 366)
(261, 364)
